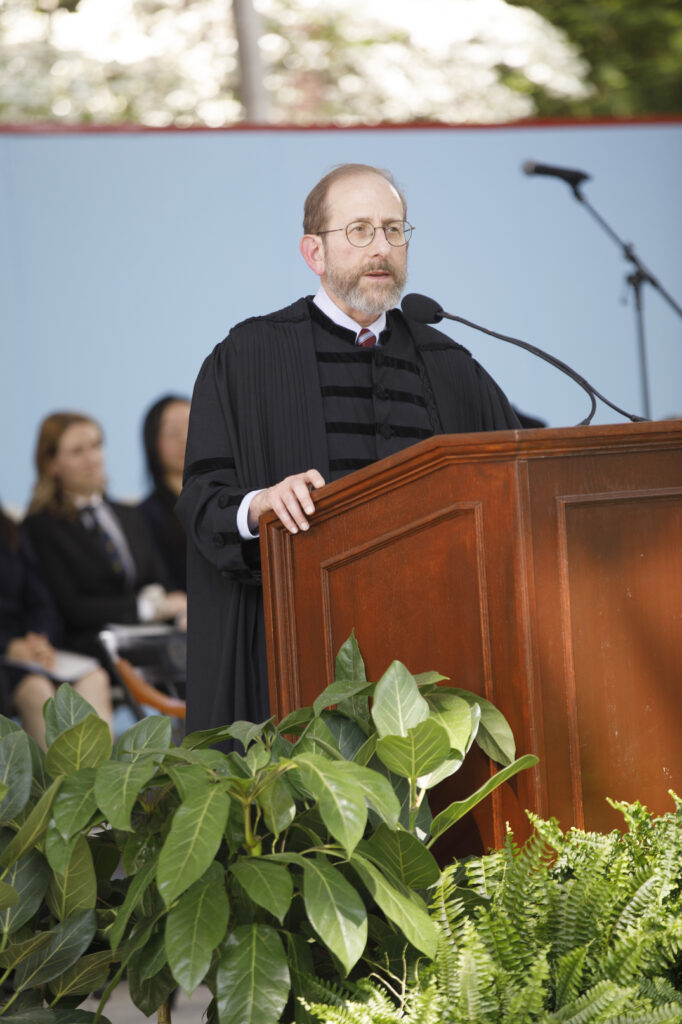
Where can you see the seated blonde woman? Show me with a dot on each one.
(29, 626)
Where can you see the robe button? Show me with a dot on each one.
(223, 500)
(386, 431)
(380, 391)
(218, 540)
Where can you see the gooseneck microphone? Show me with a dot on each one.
(567, 174)
(427, 311)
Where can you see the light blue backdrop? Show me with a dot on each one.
(124, 257)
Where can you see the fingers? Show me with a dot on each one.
(290, 500)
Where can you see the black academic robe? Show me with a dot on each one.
(257, 416)
(86, 590)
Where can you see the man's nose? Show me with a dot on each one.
(380, 243)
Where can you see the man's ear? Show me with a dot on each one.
(312, 251)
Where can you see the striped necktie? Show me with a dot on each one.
(365, 338)
(91, 521)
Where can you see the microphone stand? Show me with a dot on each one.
(639, 276)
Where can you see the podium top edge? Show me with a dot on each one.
(501, 445)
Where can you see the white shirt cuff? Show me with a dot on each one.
(149, 601)
(243, 515)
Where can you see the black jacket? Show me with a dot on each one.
(85, 588)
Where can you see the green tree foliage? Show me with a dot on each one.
(162, 62)
(634, 52)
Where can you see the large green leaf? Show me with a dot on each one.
(454, 715)
(57, 849)
(246, 732)
(87, 975)
(269, 885)
(151, 733)
(29, 876)
(317, 739)
(189, 778)
(14, 952)
(76, 889)
(7, 726)
(443, 771)
(192, 843)
(376, 789)
(84, 745)
(9, 897)
(335, 910)
(148, 993)
(339, 691)
(64, 710)
(404, 856)
(277, 804)
(117, 784)
(66, 1016)
(398, 705)
(15, 773)
(413, 921)
(494, 737)
(140, 882)
(33, 1015)
(349, 663)
(296, 721)
(340, 803)
(33, 828)
(69, 940)
(76, 802)
(443, 821)
(421, 750)
(195, 926)
(349, 734)
(252, 978)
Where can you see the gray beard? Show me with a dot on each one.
(355, 292)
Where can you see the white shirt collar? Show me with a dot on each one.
(324, 302)
(91, 502)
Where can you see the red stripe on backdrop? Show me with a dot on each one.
(55, 128)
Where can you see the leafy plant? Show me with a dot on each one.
(251, 872)
(582, 928)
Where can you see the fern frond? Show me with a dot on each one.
(568, 976)
(660, 991)
(421, 1006)
(484, 874)
(643, 902)
(505, 942)
(669, 1014)
(596, 1006)
(579, 912)
(621, 963)
(526, 1001)
(475, 979)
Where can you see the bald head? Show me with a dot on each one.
(315, 210)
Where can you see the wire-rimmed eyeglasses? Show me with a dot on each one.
(361, 233)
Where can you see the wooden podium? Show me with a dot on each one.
(539, 568)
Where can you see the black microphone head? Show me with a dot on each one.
(421, 308)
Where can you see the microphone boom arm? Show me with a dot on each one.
(553, 361)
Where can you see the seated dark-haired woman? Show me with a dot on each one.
(31, 666)
(96, 555)
(164, 435)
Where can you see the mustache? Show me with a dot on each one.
(382, 265)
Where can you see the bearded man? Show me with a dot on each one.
(296, 399)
